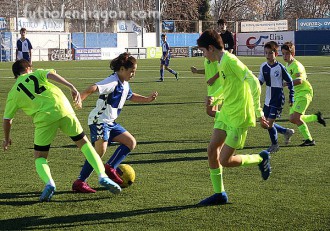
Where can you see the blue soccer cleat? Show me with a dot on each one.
(215, 199)
(264, 166)
(47, 194)
(110, 185)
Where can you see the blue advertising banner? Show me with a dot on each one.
(314, 24)
(3, 23)
(168, 26)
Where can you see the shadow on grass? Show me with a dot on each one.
(39, 222)
(16, 199)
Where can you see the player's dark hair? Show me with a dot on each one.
(288, 46)
(210, 37)
(221, 21)
(123, 60)
(22, 29)
(163, 35)
(272, 45)
(19, 67)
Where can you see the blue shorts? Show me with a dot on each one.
(272, 112)
(105, 131)
(165, 62)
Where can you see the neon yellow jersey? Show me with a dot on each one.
(37, 97)
(297, 71)
(241, 93)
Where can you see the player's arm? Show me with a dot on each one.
(143, 99)
(16, 50)
(231, 42)
(74, 92)
(213, 79)
(211, 109)
(197, 71)
(256, 92)
(6, 130)
(288, 82)
(88, 91)
(30, 53)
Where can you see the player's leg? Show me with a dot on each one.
(167, 63)
(161, 79)
(127, 144)
(42, 140)
(296, 111)
(314, 117)
(235, 140)
(213, 151)
(71, 126)
(99, 136)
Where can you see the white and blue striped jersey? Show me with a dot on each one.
(113, 95)
(165, 48)
(274, 75)
(23, 48)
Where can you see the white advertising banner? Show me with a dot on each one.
(124, 26)
(253, 43)
(41, 24)
(264, 26)
(108, 53)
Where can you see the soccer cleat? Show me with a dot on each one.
(264, 165)
(82, 187)
(47, 194)
(112, 174)
(273, 148)
(320, 119)
(215, 199)
(176, 76)
(307, 143)
(287, 135)
(110, 185)
(160, 80)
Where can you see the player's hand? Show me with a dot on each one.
(5, 144)
(209, 100)
(153, 96)
(263, 122)
(76, 98)
(193, 69)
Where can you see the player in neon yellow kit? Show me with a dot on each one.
(240, 107)
(51, 110)
(303, 94)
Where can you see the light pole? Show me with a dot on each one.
(17, 15)
(158, 23)
(85, 15)
(281, 9)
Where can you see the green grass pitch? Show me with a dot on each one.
(170, 162)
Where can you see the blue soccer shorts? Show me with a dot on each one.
(105, 131)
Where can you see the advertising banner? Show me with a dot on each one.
(88, 54)
(124, 26)
(154, 52)
(253, 43)
(324, 49)
(3, 24)
(264, 26)
(168, 26)
(179, 52)
(314, 24)
(40, 24)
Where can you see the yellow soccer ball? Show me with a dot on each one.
(127, 174)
